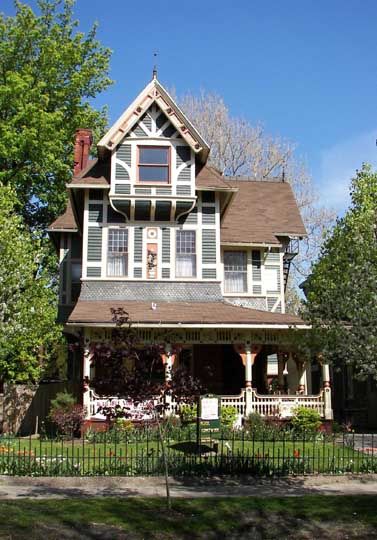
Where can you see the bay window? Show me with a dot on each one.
(235, 271)
(185, 254)
(154, 164)
(117, 252)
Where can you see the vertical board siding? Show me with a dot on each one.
(209, 246)
(124, 153)
(94, 243)
(166, 245)
(95, 213)
(138, 245)
(256, 265)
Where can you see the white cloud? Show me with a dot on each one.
(338, 166)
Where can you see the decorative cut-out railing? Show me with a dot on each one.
(248, 401)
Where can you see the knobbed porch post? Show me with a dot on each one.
(168, 359)
(281, 364)
(86, 377)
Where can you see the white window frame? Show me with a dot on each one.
(186, 252)
(244, 271)
(121, 253)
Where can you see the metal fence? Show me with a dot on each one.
(139, 452)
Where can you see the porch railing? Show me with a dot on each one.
(248, 401)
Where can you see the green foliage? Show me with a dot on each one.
(188, 413)
(63, 401)
(228, 416)
(305, 420)
(49, 72)
(29, 337)
(253, 422)
(342, 289)
(124, 426)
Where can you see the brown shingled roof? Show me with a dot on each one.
(66, 221)
(261, 211)
(178, 312)
(97, 173)
(209, 177)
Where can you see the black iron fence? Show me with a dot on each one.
(140, 452)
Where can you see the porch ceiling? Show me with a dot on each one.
(181, 314)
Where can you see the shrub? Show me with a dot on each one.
(254, 422)
(123, 425)
(188, 413)
(228, 416)
(66, 414)
(305, 420)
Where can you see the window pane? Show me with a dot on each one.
(153, 155)
(153, 174)
(117, 257)
(185, 242)
(185, 254)
(235, 271)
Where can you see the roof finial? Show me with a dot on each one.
(154, 75)
(283, 174)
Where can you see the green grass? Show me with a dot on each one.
(48, 457)
(305, 517)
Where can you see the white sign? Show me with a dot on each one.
(210, 409)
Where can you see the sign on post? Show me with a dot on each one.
(209, 414)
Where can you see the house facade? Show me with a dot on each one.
(198, 260)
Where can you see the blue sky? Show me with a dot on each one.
(306, 69)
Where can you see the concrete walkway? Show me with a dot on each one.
(43, 488)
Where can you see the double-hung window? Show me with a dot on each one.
(117, 252)
(154, 164)
(185, 254)
(235, 271)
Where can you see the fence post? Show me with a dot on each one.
(327, 391)
(248, 401)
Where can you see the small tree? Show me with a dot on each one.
(135, 371)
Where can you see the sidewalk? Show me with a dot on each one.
(64, 487)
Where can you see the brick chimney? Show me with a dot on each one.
(83, 142)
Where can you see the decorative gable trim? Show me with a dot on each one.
(154, 92)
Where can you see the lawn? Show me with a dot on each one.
(307, 517)
(79, 457)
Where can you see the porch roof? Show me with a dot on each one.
(191, 314)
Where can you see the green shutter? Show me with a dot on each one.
(138, 245)
(166, 245)
(95, 213)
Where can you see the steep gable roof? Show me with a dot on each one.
(154, 92)
(66, 222)
(96, 173)
(260, 212)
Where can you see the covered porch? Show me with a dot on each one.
(253, 371)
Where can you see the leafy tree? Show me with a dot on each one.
(28, 333)
(240, 148)
(49, 72)
(128, 368)
(342, 289)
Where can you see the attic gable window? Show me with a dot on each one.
(154, 164)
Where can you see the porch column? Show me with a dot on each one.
(326, 388)
(168, 360)
(86, 377)
(248, 355)
(281, 363)
(302, 385)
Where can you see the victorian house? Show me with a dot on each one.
(197, 259)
